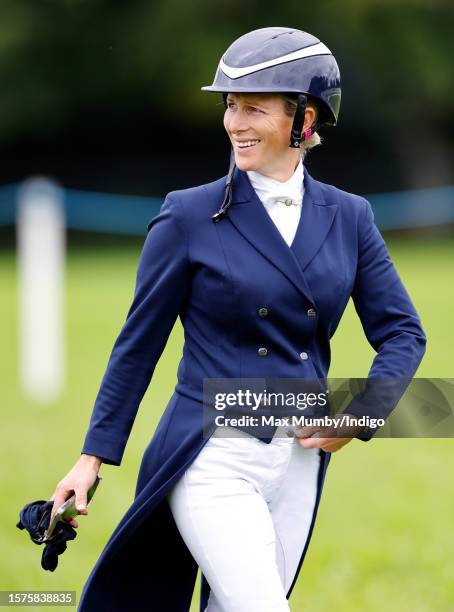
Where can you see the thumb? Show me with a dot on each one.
(81, 501)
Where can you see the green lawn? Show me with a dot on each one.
(383, 534)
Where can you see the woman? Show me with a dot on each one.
(259, 266)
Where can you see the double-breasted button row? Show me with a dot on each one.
(262, 312)
(263, 352)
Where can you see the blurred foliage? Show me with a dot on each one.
(63, 61)
(58, 56)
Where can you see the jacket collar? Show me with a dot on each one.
(250, 218)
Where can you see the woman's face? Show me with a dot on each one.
(259, 130)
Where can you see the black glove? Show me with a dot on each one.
(35, 518)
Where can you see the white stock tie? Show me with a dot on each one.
(282, 200)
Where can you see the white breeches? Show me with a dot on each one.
(244, 509)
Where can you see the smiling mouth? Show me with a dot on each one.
(249, 144)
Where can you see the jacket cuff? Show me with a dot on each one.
(104, 448)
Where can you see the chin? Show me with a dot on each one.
(246, 164)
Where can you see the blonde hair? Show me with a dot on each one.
(290, 106)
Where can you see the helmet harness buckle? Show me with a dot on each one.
(297, 135)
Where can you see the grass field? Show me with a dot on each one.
(383, 537)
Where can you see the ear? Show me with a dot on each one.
(310, 117)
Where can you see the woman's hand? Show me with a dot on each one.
(78, 480)
(329, 439)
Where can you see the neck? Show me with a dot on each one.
(280, 174)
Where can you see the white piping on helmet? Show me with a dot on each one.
(235, 73)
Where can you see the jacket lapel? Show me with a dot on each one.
(251, 219)
(316, 220)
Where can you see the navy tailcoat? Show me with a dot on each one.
(216, 277)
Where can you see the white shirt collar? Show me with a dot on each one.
(270, 190)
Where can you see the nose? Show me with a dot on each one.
(237, 121)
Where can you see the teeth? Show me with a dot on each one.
(249, 143)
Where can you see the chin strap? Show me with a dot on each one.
(296, 138)
(228, 191)
(297, 135)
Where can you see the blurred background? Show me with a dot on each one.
(103, 98)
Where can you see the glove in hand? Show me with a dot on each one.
(35, 518)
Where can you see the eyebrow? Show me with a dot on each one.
(251, 103)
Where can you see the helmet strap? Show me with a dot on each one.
(228, 191)
(297, 135)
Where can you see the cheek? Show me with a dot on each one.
(285, 129)
(226, 123)
(277, 140)
(269, 133)
(282, 140)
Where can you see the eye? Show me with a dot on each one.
(254, 109)
(231, 105)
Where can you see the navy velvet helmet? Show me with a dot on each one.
(285, 61)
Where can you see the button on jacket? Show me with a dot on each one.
(218, 277)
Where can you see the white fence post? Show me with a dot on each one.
(41, 261)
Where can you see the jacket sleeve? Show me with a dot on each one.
(390, 323)
(161, 286)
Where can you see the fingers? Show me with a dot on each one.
(77, 482)
(330, 445)
(59, 498)
(62, 493)
(309, 442)
(338, 427)
(72, 522)
(307, 431)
